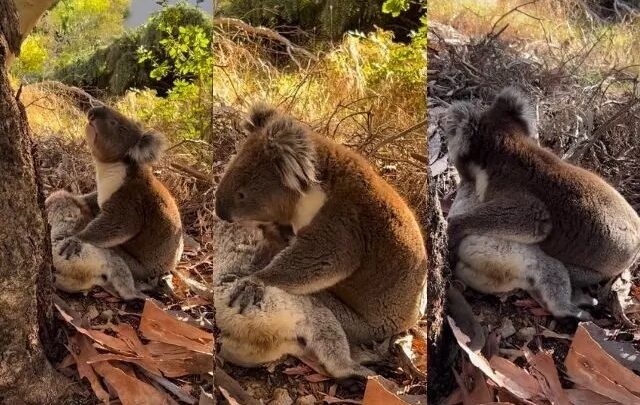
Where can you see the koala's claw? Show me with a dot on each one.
(228, 278)
(70, 247)
(246, 293)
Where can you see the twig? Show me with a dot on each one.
(171, 387)
(265, 32)
(400, 134)
(191, 171)
(225, 381)
(491, 35)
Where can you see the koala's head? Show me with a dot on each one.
(66, 214)
(113, 137)
(74, 279)
(274, 166)
(468, 126)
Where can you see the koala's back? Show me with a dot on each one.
(586, 212)
(388, 288)
(159, 243)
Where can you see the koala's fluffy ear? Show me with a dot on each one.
(259, 115)
(148, 149)
(461, 118)
(293, 153)
(512, 105)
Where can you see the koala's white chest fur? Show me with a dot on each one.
(481, 181)
(109, 178)
(307, 208)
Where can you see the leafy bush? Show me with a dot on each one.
(159, 46)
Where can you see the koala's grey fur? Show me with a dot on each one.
(92, 266)
(281, 323)
(550, 223)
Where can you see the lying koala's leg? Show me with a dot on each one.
(493, 265)
(94, 266)
(356, 328)
(283, 324)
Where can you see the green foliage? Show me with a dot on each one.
(70, 31)
(34, 52)
(329, 18)
(188, 50)
(376, 59)
(153, 56)
(395, 7)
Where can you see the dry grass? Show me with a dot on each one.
(559, 34)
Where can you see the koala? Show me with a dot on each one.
(526, 219)
(283, 323)
(67, 215)
(357, 247)
(136, 213)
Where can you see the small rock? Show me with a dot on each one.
(507, 329)
(306, 400)
(281, 397)
(527, 333)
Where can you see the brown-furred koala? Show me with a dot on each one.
(92, 266)
(526, 219)
(357, 249)
(281, 323)
(136, 212)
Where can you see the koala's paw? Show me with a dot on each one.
(247, 292)
(70, 247)
(228, 278)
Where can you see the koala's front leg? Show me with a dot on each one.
(322, 254)
(113, 226)
(517, 218)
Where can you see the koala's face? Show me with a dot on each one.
(78, 279)
(252, 190)
(110, 134)
(65, 214)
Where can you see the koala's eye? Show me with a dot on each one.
(241, 196)
(113, 123)
(104, 277)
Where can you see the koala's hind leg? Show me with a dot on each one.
(327, 340)
(493, 265)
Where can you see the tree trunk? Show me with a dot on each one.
(26, 316)
(439, 374)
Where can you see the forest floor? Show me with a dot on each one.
(65, 163)
(523, 355)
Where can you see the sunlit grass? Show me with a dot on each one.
(556, 31)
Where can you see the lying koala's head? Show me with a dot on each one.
(272, 169)
(66, 214)
(113, 137)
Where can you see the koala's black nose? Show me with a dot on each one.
(221, 211)
(97, 112)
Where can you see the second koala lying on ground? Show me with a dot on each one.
(283, 323)
(67, 215)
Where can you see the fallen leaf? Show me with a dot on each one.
(81, 349)
(317, 377)
(130, 390)
(302, 369)
(380, 391)
(228, 397)
(589, 365)
(544, 370)
(521, 384)
(584, 396)
(177, 361)
(624, 352)
(159, 326)
(104, 340)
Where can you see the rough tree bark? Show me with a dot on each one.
(26, 317)
(438, 344)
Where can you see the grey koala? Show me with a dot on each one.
(280, 323)
(92, 265)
